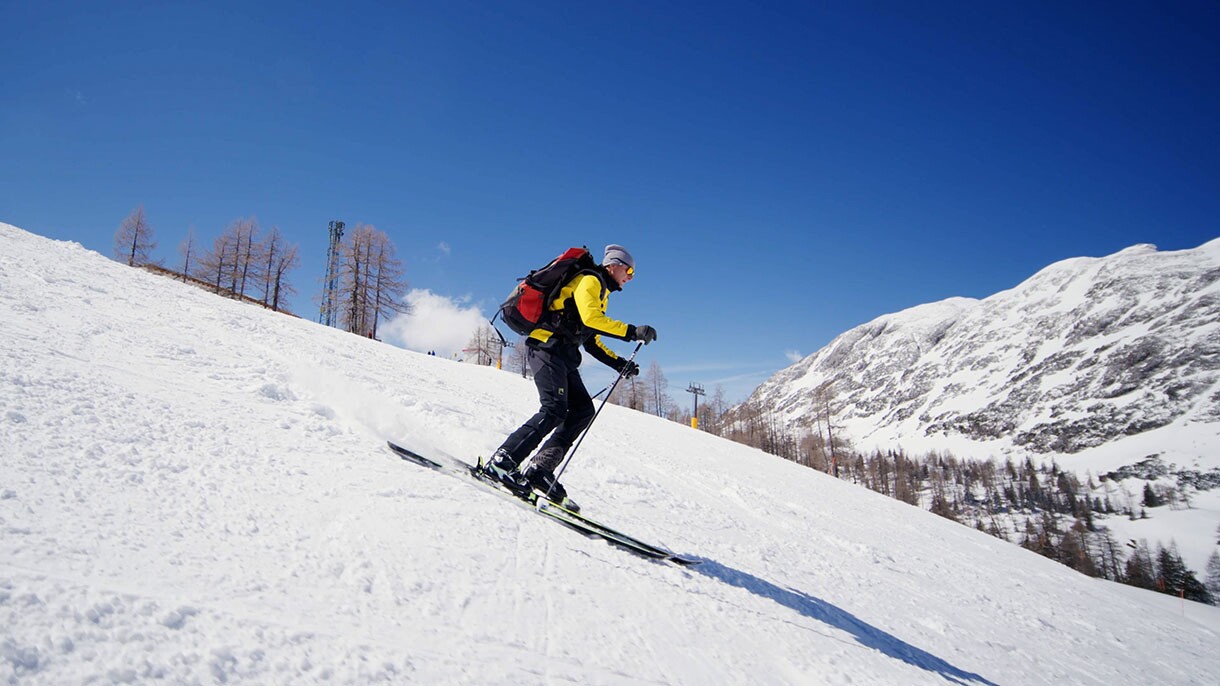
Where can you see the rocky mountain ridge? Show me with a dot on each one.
(1096, 362)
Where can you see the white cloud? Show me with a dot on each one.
(435, 323)
(793, 356)
(444, 248)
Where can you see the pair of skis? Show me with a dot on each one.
(573, 520)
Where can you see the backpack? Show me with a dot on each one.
(525, 307)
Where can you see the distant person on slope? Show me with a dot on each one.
(577, 317)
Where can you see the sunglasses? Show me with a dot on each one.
(630, 269)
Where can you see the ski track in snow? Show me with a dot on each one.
(194, 490)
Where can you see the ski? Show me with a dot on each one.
(551, 510)
(583, 523)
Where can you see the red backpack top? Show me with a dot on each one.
(526, 304)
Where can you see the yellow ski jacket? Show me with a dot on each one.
(580, 309)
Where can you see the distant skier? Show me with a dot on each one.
(577, 317)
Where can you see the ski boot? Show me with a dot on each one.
(542, 480)
(502, 470)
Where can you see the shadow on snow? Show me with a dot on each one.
(816, 608)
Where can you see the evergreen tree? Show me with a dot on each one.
(940, 506)
(1172, 575)
(1177, 579)
(1212, 576)
(1195, 590)
(1074, 550)
(1029, 540)
(1140, 570)
(1111, 555)
(1151, 499)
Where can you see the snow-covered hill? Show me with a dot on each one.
(194, 490)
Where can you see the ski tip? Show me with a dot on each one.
(412, 456)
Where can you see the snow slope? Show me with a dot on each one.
(194, 490)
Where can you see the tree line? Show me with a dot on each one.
(1042, 508)
(245, 262)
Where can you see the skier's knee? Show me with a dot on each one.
(555, 414)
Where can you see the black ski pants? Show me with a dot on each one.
(566, 407)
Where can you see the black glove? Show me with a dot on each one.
(645, 333)
(629, 369)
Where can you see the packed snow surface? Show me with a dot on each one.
(195, 490)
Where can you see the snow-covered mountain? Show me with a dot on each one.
(195, 490)
(1094, 362)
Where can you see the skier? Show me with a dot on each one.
(577, 317)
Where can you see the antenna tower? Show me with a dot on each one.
(330, 287)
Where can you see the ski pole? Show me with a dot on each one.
(588, 426)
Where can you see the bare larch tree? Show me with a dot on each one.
(133, 241)
(485, 347)
(371, 283)
(277, 259)
(187, 249)
(656, 400)
(234, 259)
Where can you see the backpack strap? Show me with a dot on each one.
(568, 321)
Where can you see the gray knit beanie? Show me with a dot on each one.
(617, 254)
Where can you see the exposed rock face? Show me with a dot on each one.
(1084, 353)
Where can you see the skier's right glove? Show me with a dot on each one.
(645, 333)
(628, 369)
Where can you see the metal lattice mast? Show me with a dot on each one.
(697, 390)
(330, 287)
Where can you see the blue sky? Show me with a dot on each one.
(781, 171)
